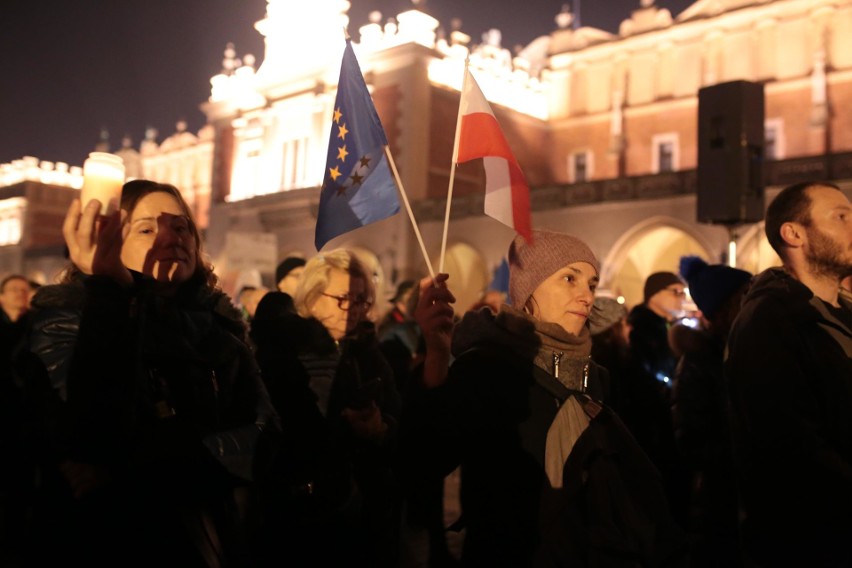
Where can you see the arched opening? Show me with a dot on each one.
(468, 275)
(653, 246)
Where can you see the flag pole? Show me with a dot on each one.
(410, 212)
(453, 171)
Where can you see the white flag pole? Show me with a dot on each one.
(453, 170)
(410, 212)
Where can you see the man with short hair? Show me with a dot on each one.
(646, 406)
(649, 321)
(14, 297)
(789, 374)
(288, 273)
(16, 475)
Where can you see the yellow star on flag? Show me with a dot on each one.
(365, 161)
(342, 153)
(356, 179)
(337, 115)
(334, 173)
(342, 132)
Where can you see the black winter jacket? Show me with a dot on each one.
(703, 433)
(492, 418)
(789, 373)
(330, 485)
(160, 393)
(649, 342)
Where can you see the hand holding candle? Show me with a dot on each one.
(103, 176)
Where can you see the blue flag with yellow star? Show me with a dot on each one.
(358, 187)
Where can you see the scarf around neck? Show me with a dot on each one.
(561, 354)
(566, 357)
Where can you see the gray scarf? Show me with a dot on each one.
(561, 354)
(567, 357)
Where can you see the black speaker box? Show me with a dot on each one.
(730, 153)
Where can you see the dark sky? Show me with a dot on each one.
(70, 67)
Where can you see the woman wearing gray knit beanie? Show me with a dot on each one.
(513, 406)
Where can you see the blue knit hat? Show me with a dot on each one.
(711, 285)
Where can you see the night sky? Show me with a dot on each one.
(71, 67)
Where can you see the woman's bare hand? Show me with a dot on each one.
(94, 240)
(434, 315)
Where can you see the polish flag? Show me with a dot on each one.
(507, 195)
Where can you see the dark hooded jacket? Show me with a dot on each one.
(492, 418)
(162, 396)
(789, 374)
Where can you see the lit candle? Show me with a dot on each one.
(103, 176)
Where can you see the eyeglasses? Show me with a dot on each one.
(678, 293)
(345, 302)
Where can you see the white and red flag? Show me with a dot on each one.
(507, 195)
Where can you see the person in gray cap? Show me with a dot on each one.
(513, 407)
(611, 345)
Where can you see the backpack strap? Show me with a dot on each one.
(590, 406)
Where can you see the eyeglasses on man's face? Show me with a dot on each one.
(345, 302)
(678, 292)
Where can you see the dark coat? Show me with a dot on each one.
(163, 396)
(789, 373)
(649, 342)
(703, 435)
(329, 485)
(491, 418)
(17, 475)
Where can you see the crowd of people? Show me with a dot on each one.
(149, 420)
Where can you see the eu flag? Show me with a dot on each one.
(358, 187)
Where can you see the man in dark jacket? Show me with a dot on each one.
(16, 477)
(647, 412)
(649, 321)
(789, 372)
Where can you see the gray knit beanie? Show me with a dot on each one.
(532, 264)
(606, 313)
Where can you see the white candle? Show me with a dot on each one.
(103, 176)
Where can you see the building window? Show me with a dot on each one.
(773, 139)
(10, 230)
(580, 167)
(245, 179)
(294, 164)
(11, 215)
(666, 153)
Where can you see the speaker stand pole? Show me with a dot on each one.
(732, 246)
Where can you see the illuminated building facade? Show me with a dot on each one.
(604, 126)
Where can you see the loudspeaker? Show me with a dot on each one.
(730, 153)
